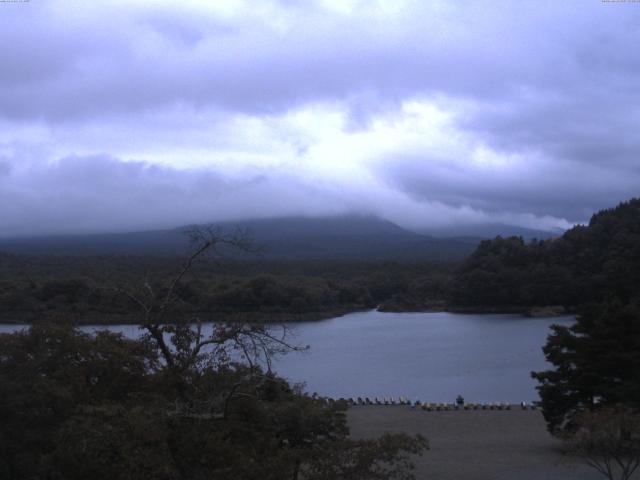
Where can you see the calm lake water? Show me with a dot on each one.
(430, 356)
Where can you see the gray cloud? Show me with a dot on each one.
(82, 65)
(562, 189)
(551, 87)
(104, 194)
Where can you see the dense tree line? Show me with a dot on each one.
(89, 289)
(591, 395)
(586, 264)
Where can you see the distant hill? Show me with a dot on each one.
(492, 230)
(295, 238)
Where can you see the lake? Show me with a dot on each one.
(430, 356)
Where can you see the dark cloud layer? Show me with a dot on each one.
(126, 116)
(82, 63)
(563, 189)
(104, 194)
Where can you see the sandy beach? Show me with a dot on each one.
(476, 444)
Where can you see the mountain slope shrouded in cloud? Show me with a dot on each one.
(293, 238)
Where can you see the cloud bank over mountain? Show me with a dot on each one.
(129, 115)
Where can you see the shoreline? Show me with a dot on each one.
(133, 319)
(256, 317)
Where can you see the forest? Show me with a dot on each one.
(587, 263)
(88, 289)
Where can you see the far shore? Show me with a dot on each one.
(134, 319)
(92, 318)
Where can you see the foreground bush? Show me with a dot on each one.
(78, 406)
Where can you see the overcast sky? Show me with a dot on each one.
(130, 115)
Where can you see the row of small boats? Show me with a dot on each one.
(430, 406)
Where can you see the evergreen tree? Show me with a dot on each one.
(596, 363)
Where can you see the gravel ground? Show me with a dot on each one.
(476, 444)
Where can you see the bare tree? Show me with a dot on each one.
(609, 440)
(181, 342)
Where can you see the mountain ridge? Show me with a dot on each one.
(346, 237)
